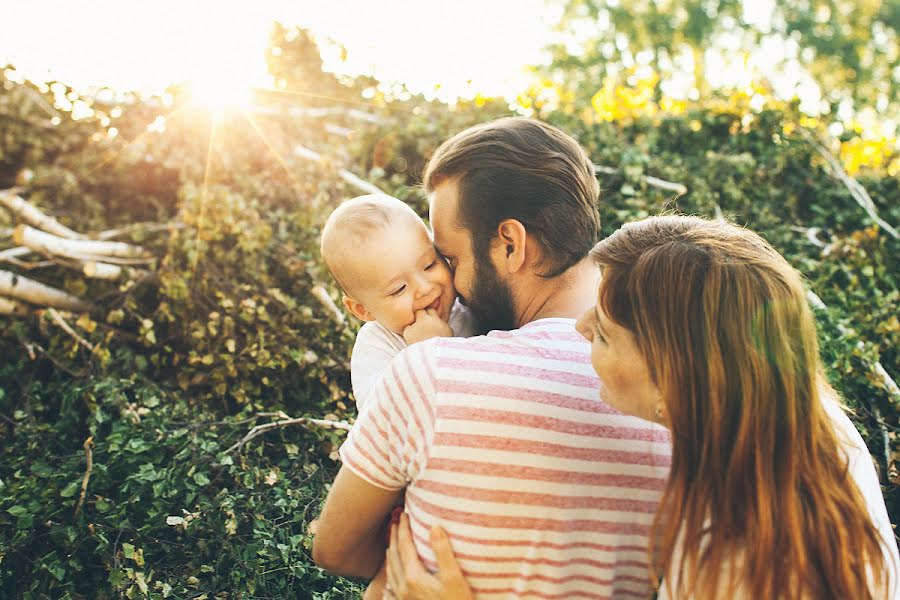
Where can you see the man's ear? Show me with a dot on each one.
(511, 245)
(357, 308)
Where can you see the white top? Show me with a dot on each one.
(376, 346)
(862, 471)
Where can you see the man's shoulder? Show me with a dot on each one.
(548, 339)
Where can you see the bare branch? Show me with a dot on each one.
(89, 455)
(321, 294)
(14, 253)
(46, 243)
(857, 191)
(34, 216)
(12, 307)
(110, 234)
(21, 288)
(261, 429)
(57, 318)
(354, 180)
(678, 188)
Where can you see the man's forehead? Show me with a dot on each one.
(442, 209)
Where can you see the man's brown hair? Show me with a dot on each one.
(523, 169)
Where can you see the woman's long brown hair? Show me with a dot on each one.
(759, 498)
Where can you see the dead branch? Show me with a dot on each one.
(317, 113)
(678, 188)
(14, 253)
(811, 233)
(18, 287)
(89, 455)
(261, 429)
(57, 318)
(32, 215)
(47, 243)
(354, 180)
(857, 191)
(321, 294)
(12, 307)
(148, 227)
(103, 270)
(9, 256)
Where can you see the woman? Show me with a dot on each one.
(701, 326)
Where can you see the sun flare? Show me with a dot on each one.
(221, 93)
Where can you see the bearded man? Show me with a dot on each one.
(545, 490)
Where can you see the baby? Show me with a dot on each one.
(381, 255)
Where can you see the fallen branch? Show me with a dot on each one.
(32, 215)
(57, 318)
(10, 307)
(103, 270)
(47, 243)
(14, 253)
(110, 234)
(354, 180)
(678, 188)
(812, 234)
(857, 191)
(18, 287)
(261, 429)
(317, 113)
(9, 256)
(87, 472)
(322, 295)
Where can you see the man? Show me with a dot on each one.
(545, 491)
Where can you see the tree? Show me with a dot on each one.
(850, 48)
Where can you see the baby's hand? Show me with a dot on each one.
(427, 325)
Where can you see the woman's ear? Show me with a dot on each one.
(357, 308)
(512, 245)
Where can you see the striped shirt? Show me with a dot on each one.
(545, 491)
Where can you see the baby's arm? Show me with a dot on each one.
(427, 325)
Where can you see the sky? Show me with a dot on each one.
(464, 46)
(442, 48)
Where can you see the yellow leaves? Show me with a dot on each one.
(85, 323)
(672, 106)
(623, 103)
(272, 477)
(858, 153)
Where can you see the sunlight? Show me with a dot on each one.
(219, 94)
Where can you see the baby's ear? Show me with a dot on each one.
(357, 309)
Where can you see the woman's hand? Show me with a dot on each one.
(408, 579)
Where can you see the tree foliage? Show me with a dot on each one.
(850, 48)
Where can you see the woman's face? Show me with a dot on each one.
(625, 382)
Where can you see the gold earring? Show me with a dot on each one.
(660, 410)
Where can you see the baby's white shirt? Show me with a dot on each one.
(376, 346)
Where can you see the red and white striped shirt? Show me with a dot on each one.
(545, 491)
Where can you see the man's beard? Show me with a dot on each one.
(490, 299)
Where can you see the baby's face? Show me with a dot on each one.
(399, 272)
